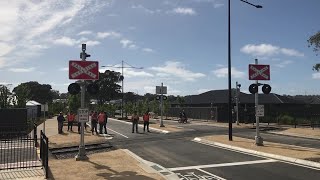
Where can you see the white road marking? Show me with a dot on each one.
(214, 176)
(198, 140)
(223, 164)
(151, 128)
(118, 133)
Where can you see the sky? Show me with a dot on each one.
(180, 43)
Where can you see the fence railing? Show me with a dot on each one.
(44, 152)
(17, 148)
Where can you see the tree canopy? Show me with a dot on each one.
(314, 41)
(4, 96)
(32, 90)
(108, 87)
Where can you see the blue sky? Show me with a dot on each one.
(182, 43)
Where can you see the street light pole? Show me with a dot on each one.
(237, 101)
(229, 64)
(229, 72)
(122, 90)
(122, 79)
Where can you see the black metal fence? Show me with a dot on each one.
(44, 152)
(18, 150)
(205, 113)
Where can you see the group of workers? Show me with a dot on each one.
(94, 118)
(135, 121)
(100, 119)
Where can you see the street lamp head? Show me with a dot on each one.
(258, 6)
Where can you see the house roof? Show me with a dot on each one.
(32, 103)
(306, 99)
(221, 97)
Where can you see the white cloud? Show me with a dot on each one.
(218, 5)
(291, 52)
(269, 50)
(177, 69)
(133, 46)
(184, 11)
(202, 90)
(22, 70)
(28, 26)
(284, 64)
(131, 73)
(112, 34)
(148, 50)
(91, 43)
(149, 11)
(5, 49)
(84, 33)
(316, 75)
(223, 72)
(64, 69)
(125, 42)
(65, 41)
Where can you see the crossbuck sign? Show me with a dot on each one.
(259, 72)
(85, 70)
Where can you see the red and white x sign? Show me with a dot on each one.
(259, 72)
(85, 70)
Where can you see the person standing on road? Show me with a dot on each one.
(146, 118)
(70, 118)
(135, 121)
(102, 122)
(60, 119)
(94, 122)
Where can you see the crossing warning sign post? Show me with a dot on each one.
(259, 72)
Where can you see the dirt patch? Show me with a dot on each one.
(272, 148)
(304, 131)
(73, 139)
(107, 165)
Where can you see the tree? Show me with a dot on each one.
(4, 96)
(74, 102)
(34, 91)
(166, 107)
(55, 94)
(180, 100)
(21, 95)
(108, 87)
(315, 42)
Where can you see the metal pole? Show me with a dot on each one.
(237, 102)
(122, 93)
(258, 139)
(82, 150)
(161, 107)
(229, 73)
(44, 117)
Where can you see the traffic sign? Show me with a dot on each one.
(83, 115)
(160, 90)
(85, 70)
(260, 111)
(259, 72)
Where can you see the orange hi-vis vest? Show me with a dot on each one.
(70, 117)
(101, 117)
(146, 117)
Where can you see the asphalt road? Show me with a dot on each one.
(191, 160)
